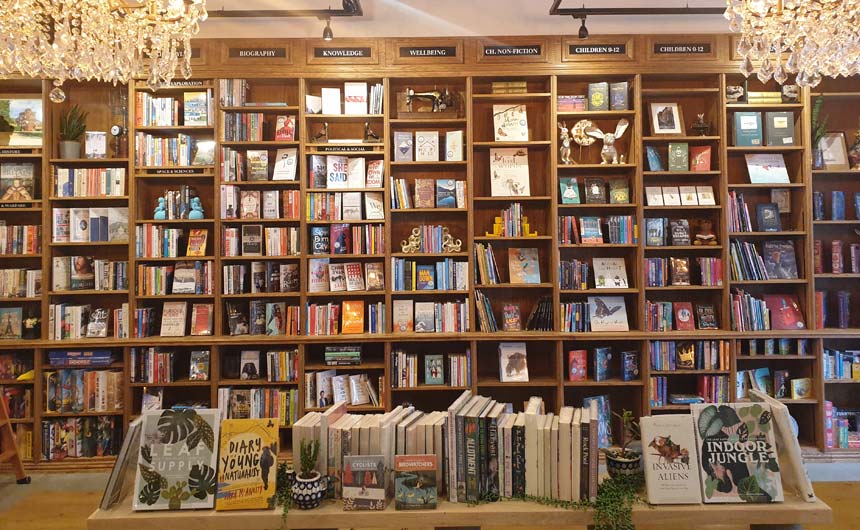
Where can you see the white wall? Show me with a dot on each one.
(426, 18)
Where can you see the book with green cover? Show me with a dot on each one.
(598, 96)
(679, 156)
(746, 131)
(779, 128)
(569, 190)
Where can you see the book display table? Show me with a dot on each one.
(790, 514)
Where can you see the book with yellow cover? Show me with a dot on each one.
(353, 316)
(247, 464)
(197, 242)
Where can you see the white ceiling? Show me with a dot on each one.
(427, 18)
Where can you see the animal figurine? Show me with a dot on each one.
(608, 154)
(196, 209)
(565, 138)
(160, 210)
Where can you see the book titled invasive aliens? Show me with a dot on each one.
(177, 460)
(737, 453)
(246, 464)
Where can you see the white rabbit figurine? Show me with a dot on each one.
(564, 137)
(608, 153)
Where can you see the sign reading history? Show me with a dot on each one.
(428, 51)
(257, 53)
(343, 52)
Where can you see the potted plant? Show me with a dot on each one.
(819, 129)
(72, 126)
(6, 130)
(623, 460)
(308, 488)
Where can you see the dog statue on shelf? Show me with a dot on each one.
(609, 154)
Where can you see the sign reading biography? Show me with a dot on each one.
(343, 52)
(257, 53)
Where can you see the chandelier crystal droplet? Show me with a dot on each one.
(106, 40)
(820, 38)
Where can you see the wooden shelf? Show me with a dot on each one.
(90, 199)
(425, 211)
(681, 138)
(781, 233)
(515, 286)
(430, 388)
(682, 207)
(429, 120)
(189, 296)
(516, 198)
(429, 163)
(351, 367)
(344, 293)
(767, 106)
(80, 414)
(431, 255)
(596, 167)
(749, 185)
(686, 288)
(687, 372)
(259, 221)
(622, 206)
(686, 91)
(528, 96)
(17, 299)
(257, 258)
(265, 183)
(177, 258)
(155, 129)
(261, 108)
(121, 162)
(172, 384)
(765, 149)
(173, 221)
(768, 282)
(597, 245)
(90, 244)
(497, 145)
(89, 292)
(346, 221)
(680, 173)
(10, 382)
(672, 248)
(832, 276)
(595, 291)
(254, 382)
(532, 382)
(608, 382)
(435, 292)
(262, 295)
(595, 114)
(259, 143)
(775, 356)
(342, 117)
(841, 381)
(843, 222)
(512, 239)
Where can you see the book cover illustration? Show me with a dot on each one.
(415, 482)
(511, 123)
(16, 182)
(509, 169)
(671, 462)
(569, 190)
(434, 370)
(512, 320)
(513, 366)
(577, 361)
(737, 453)
(609, 273)
(780, 261)
(177, 460)
(785, 312)
(608, 313)
(523, 265)
(767, 169)
(364, 483)
(247, 464)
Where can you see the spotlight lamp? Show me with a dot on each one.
(583, 31)
(327, 32)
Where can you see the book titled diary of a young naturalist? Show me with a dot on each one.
(671, 459)
(247, 464)
(737, 450)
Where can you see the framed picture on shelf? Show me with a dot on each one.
(667, 118)
(835, 151)
(23, 117)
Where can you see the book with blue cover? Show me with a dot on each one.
(602, 358)
(523, 265)
(425, 277)
(837, 205)
(446, 193)
(604, 417)
(655, 163)
(747, 130)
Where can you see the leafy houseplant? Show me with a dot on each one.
(72, 126)
(308, 489)
(819, 129)
(623, 460)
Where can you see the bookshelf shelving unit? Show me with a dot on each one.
(698, 87)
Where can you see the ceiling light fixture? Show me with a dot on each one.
(583, 31)
(113, 41)
(328, 34)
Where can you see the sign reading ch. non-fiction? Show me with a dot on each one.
(598, 49)
(258, 53)
(428, 51)
(345, 52)
(529, 50)
(682, 48)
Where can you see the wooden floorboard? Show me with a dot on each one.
(63, 502)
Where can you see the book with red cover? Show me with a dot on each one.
(577, 360)
(700, 158)
(785, 312)
(285, 128)
(684, 320)
(353, 317)
(425, 193)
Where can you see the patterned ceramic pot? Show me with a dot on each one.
(623, 466)
(308, 492)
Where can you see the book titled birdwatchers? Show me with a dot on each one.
(415, 482)
(246, 464)
(363, 483)
(671, 460)
(737, 453)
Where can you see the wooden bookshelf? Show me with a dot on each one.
(649, 81)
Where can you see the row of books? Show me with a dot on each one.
(325, 319)
(344, 206)
(344, 172)
(601, 96)
(70, 321)
(349, 355)
(825, 301)
(687, 355)
(260, 277)
(748, 313)
(837, 206)
(72, 273)
(405, 367)
(326, 387)
(428, 193)
(280, 365)
(20, 283)
(81, 437)
(183, 150)
(89, 182)
(241, 165)
(20, 239)
(18, 401)
(87, 225)
(777, 260)
(161, 241)
(445, 275)
(425, 145)
(257, 240)
(512, 222)
(841, 427)
(663, 272)
(680, 195)
(12, 365)
(598, 313)
(661, 231)
(155, 365)
(345, 238)
(837, 259)
(783, 346)
(326, 276)
(602, 366)
(255, 127)
(678, 316)
(778, 384)
(778, 131)
(82, 390)
(263, 318)
(840, 364)
(486, 270)
(615, 229)
(767, 215)
(595, 191)
(237, 203)
(709, 389)
(172, 320)
(429, 317)
(195, 109)
(234, 93)
(243, 403)
(355, 99)
(183, 277)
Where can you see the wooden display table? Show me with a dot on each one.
(780, 516)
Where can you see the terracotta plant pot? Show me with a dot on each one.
(618, 466)
(70, 150)
(307, 493)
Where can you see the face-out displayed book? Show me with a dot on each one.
(671, 459)
(609, 273)
(608, 313)
(513, 365)
(415, 482)
(510, 123)
(247, 464)
(177, 460)
(523, 265)
(509, 172)
(737, 451)
(364, 482)
(765, 168)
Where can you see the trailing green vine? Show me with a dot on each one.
(283, 493)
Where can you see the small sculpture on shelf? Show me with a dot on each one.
(322, 135)
(790, 93)
(412, 244)
(196, 209)
(160, 210)
(449, 244)
(734, 93)
(564, 137)
(705, 235)
(854, 152)
(369, 135)
(440, 100)
(701, 127)
(609, 154)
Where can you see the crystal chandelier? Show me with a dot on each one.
(105, 40)
(819, 38)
